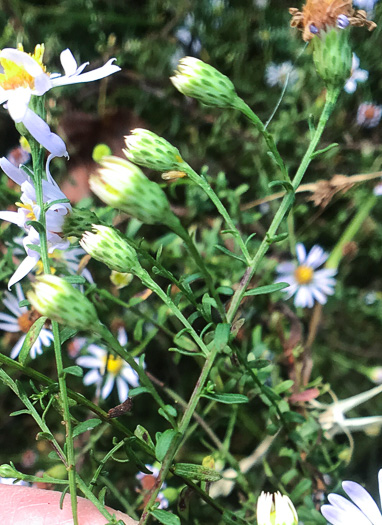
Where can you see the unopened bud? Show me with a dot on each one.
(332, 56)
(108, 246)
(57, 299)
(275, 509)
(194, 78)
(147, 149)
(124, 186)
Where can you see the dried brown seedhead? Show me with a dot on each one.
(317, 15)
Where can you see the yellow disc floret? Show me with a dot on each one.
(303, 274)
(113, 364)
(30, 216)
(15, 76)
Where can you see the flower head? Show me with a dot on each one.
(369, 115)
(20, 322)
(107, 370)
(306, 282)
(194, 78)
(361, 510)
(279, 74)
(28, 210)
(357, 75)
(121, 184)
(275, 509)
(25, 75)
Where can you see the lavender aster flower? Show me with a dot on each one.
(362, 510)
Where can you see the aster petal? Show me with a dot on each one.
(68, 62)
(107, 387)
(16, 349)
(98, 351)
(286, 267)
(17, 105)
(123, 389)
(318, 295)
(14, 217)
(300, 252)
(363, 500)
(316, 257)
(130, 375)
(350, 86)
(77, 77)
(304, 298)
(12, 303)
(360, 75)
(16, 174)
(336, 516)
(24, 268)
(13, 328)
(92, 377)
(36, 348)
(88, 361)
(40, 130)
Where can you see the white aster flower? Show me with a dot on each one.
(369, 115)
(28, 210)
(366, 5)
(357, 75)
(113, 368)
(278, 74)
(275, 509)
(25, 75)
(305, 282)
(361, 510)
(20, 322)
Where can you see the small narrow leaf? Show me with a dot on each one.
(73, 370)
(198, 472)
(222, 334)
(164, 440)
(227, 399)
(85, 426)
(165, 517)
(230, 254)
(31, 338)
(270, 288)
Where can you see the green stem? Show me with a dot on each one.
(202, 182)
(268, 137)
(285, 206)
(178, 228)
(349, 233)
(37, 158)
(183, 425)
(150, 283)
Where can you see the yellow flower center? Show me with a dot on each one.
(40, 267)
(113, 364)
(15, 76)
(31, 216)
(303, 274)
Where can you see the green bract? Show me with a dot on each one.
(108, 246)
(332, 56)
(194, 78)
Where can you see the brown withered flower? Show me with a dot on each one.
(317, 15)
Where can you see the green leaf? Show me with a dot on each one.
(285, 385)
(222, 333)
(259, 363)
(164, 440)
(138, 391)
(25, 302)
(144, 436)
(67, 333)
(225, 290)
(227, 399)
(165, 517)
(293, 417)
(229, 253)
(270, 288)
(31, 338)
(75, 279)
(19, 413)
(85, 426)
(198, 472)
(184, 352)
(324, 150)
(284, 183)
(48, 205)
(73, 370)
(168, 413)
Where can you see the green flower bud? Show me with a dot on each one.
(148, 149)
(196, 79)
(55, 298)
(332, 56)
(108, 246)
(124, 186)
(78, 221)
(8, 471)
